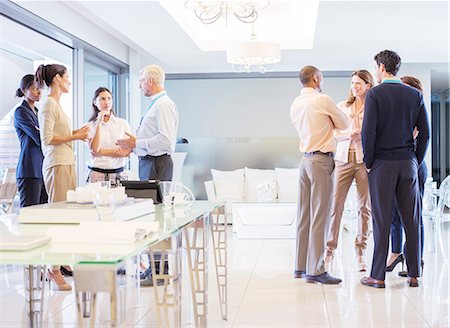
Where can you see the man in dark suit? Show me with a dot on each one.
(29, 168)
(392, 111)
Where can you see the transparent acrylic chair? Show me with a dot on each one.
(436, 209)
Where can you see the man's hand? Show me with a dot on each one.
(129, 143)
(120, 152)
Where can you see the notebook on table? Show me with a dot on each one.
(11, 242)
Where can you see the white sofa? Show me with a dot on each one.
(259, 203)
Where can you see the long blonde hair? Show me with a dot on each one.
(366, 77)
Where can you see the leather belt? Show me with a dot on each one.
(152, 157)
(330, 154)
(107, 171)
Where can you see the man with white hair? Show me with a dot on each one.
(156, 135)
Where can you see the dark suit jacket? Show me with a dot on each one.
(30, 158)
(391, 112)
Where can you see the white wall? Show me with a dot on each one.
(234, 108)
(232, 123)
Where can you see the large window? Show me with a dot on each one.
(22, 50)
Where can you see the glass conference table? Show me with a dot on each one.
(96, 264)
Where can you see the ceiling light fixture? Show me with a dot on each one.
(253, 55)
(209, 12)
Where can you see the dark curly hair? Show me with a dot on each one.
(390, 59)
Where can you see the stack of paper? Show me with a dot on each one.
(12, 242)
(103, 232)
(64, 212)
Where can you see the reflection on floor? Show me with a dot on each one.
(263, 293)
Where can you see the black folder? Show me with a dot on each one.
(143, 189)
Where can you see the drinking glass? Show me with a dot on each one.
(105, 204)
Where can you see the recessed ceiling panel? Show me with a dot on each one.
(294, 31)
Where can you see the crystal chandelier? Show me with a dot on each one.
(209, 12)
(253, 55)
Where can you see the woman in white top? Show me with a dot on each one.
(107, 160)
(58, 167)
(349, 167)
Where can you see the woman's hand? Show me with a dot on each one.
(356, 135)
(81, 134)
(102, 115)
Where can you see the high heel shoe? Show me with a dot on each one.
(399, 259)
(66, 271)
(58, 279)
(362, 267)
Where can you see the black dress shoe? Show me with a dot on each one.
(368, 281)
(148, 282)
(403, 274)
(413, 282)
(299, 274)
(146, 273)
(323, 278)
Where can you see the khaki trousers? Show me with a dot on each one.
(58, 180)
(344, 175)
(313, 212)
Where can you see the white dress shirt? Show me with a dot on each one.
(110, 132)
(343, 136)
(315, 116)
(156, 135)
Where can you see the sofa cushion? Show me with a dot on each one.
(287, 184)
(229, 185)
(256, 179)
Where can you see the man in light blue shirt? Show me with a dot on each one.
(156, 135)
(155, 140)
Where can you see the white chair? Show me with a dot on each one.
(8, 190)
(443, 211)
(437, 211)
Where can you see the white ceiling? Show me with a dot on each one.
(347, 35)
(295, 32)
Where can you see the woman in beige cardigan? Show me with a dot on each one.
(349, 167)
(58, 168)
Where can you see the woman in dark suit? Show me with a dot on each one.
(29, 168)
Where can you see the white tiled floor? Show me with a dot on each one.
(262, 293)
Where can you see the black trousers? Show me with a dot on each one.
(31, 191)
(395, 180)
(156, 167)
(397, 227)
